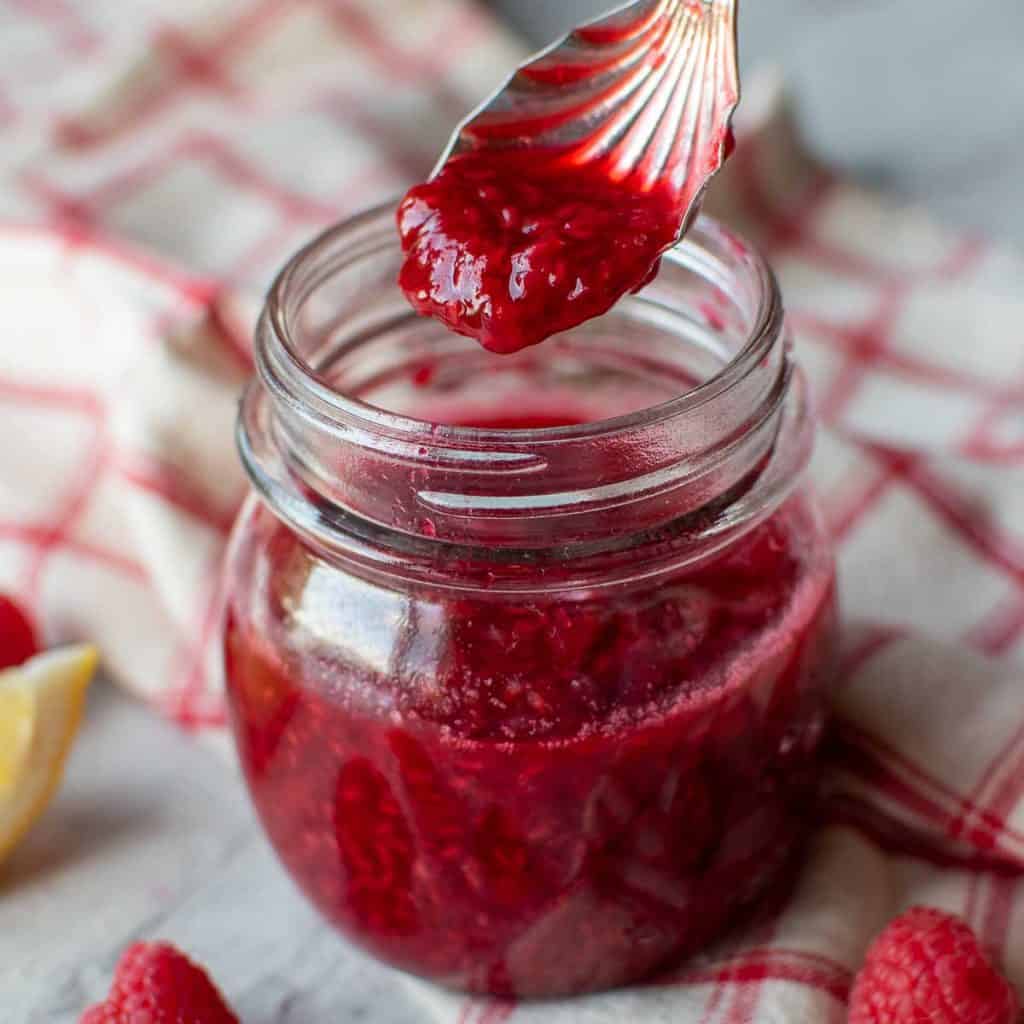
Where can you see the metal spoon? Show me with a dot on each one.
(648, 91)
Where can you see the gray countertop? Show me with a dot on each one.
(923, 97)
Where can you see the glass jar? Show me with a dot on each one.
(528, 656)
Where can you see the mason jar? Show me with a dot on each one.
(528, 656)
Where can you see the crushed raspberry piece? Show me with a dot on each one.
(377, 849)
(927, 967)
(17, 634)
(156, 984)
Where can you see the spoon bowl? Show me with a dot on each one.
(646, 93)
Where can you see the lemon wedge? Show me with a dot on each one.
(41, 704)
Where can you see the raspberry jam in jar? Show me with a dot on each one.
(528, 656)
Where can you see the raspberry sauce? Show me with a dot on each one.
(510, 250)
(540, 794)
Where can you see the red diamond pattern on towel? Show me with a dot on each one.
(206, 241)
(902, 534)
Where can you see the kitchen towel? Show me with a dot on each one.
(159, 164)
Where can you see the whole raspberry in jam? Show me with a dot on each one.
(157, 984)
(17, 634)
(510, 251)
(928, 967)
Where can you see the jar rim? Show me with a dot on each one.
(407, 495)
(761, 335)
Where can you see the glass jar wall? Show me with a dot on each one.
(528, 657)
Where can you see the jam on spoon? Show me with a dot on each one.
(562, 193)
(511, 250)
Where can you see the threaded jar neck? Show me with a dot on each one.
(686, 419)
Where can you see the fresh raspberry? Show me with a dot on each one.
(156, 984)
(17, 634)
(927, 967)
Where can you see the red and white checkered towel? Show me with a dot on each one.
(159, 160)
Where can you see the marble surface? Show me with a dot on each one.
(151, 835)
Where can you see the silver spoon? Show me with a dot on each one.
(649, 90)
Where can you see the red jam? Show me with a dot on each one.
(18, 640)
(536, 795)
(510, 251)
